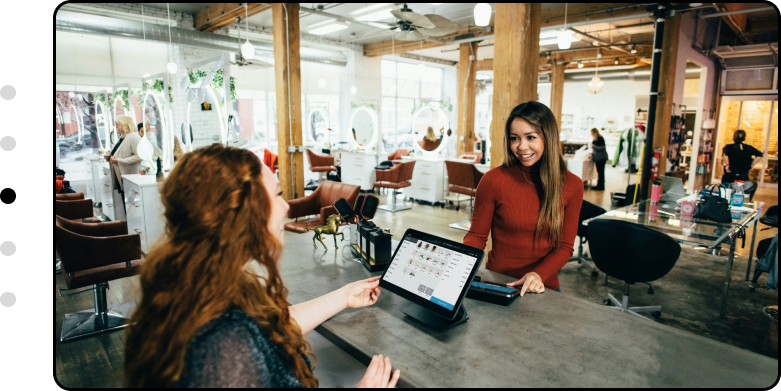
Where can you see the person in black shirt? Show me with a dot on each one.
(739, 158)
(599, 156)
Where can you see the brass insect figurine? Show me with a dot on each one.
(331, 227)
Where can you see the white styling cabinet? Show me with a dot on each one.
(358, 169)
(144, 209)
(106, 190)
(93, 183)
(428, 179)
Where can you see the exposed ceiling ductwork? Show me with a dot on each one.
(100, 25)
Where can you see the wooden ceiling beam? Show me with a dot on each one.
(553, 17)
(736, 22)
(219, 15)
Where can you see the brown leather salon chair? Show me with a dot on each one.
(78, 209)
(477, 155)
(322, 164)
(398, 177)
(463, 178)
(320, 201)
(398, 154)
(92, 255)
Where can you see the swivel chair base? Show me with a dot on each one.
(462, 225)
(581, 260)
(623, 306)
(101, 319)
(394, 207)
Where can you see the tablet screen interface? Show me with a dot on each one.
(432, 271)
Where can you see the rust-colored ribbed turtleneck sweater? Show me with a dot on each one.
(507, 205)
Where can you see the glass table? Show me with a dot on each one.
(666, 217)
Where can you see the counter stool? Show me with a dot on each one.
(398, 177)
(463, 178)
(94, 254)
(587, 211)
(632, 253)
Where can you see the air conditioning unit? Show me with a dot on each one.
(544, 78)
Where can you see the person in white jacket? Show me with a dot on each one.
(125, 159)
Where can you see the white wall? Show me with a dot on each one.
(616, 101)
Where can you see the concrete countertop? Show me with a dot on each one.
(541, 340)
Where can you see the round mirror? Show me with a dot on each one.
(318, 125)
(206, 120)
(429, 127)
(154, 125)
(363, 124)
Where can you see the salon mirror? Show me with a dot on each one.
(363, 125)
(318, 126)
(102, 122)
(429, 129)
(154, 129)
(206, 120)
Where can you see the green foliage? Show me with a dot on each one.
(157, 86)
(218, 82)
(125, 98)
(367, 105)
(435, 105)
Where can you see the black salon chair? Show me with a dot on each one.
(587, 211)
(632, 253)
(771, 220)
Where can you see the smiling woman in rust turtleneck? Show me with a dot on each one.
(530, 204)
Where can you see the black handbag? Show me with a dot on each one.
(714, 207)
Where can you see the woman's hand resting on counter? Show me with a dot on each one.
(531, 283)
(378, 375)
(362, 293)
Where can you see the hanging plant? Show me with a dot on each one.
(124, 97)
(101, 98)
(197, 75)
(157, 86)
(436, 105)
(367, 105)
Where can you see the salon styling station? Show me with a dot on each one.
(144, 209)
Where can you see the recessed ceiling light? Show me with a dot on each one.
(375, 16)
(325, 27)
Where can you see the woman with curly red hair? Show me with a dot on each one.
(214, 310)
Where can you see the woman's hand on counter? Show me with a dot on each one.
(531, 283)
(378, 374)
(362, 293)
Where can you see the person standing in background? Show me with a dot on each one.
(599, 156)
(739, 158)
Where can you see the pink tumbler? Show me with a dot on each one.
(656, 189)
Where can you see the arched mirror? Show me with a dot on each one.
(205, 118)
(429, 129)
(155, 126)
(363, 125)
(317, 130)
(102, 124)
(120, 108)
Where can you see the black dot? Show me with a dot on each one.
(8, 196)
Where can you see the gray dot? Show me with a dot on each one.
(8, 92)
(7, 299)
(7, 248)
(7, 143)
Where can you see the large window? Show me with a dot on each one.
(404, 86)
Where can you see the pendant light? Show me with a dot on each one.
(353, 90)
(595, 86)
(565, 36)
(482, 14)
(247, 49)
(171, 65)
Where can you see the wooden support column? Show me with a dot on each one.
(664, 105)
(516, 62)
(467, 71)
(557, 91)
(287, 60)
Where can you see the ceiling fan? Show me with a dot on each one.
(412, 26)
(239, 60)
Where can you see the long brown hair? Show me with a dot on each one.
(553, 169)
(216, 211)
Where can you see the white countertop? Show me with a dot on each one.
(142, 180)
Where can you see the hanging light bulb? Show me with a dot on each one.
(321, 83)
(616, 61)
(565, 36)
(247, 49)
(353, 90)
(482, 14)
(634, 49)
(172, 67)
(580, 64)
(595, 86)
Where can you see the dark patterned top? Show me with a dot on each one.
(233, 350)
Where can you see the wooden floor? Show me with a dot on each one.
(97, 361)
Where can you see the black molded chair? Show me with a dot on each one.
(587, 211)
(771, 219)
(632, 253)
